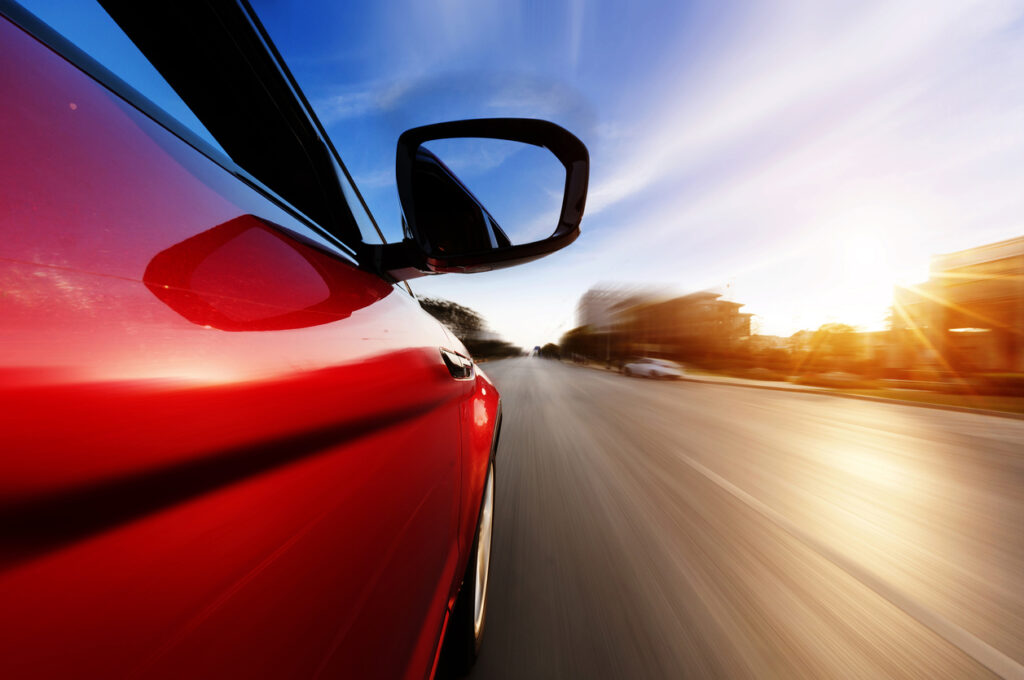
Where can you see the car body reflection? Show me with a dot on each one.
(242, 275)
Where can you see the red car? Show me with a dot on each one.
(233, 445)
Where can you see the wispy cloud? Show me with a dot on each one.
(533, 97)
(575, 40)
(801, 64)
(470, 157)
(372, 100)
(376, 179)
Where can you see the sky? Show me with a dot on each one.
(798, 157)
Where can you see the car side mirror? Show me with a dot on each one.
(446, 226)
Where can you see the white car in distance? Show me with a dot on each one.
(653, 368)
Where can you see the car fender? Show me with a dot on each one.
(481, 427)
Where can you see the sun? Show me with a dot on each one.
(870, 261)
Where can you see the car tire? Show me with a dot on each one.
(465, 632)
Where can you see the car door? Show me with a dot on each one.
(228, 450)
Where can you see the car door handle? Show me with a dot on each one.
(459, 366)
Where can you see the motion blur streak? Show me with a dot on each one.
(650, 529)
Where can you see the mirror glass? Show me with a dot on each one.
(473, 195)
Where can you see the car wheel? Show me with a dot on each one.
(466, 626)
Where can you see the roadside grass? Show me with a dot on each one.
(982, 401)
(979, 401)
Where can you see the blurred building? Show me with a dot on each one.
(695, 323)
(968, 316)
(629, 322)
(602, 308)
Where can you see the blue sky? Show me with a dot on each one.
(800, 157)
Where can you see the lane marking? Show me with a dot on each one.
(967, 642)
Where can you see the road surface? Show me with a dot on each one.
(674, 530)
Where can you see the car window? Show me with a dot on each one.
(90, 29)
(368, 229)
(88, 26)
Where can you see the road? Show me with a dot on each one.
(675, 530)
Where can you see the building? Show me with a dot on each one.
(769, 343)
(618, 323)
(686, 325)
(601, 308)
(968, 316)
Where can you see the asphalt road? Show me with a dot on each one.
(672, 530)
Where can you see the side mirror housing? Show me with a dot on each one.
(448, 229)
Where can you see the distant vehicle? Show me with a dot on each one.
(653, 368)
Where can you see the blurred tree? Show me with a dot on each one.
(833, 347)
(491, 349)
(550, 351)
(834, 333)
(462, 321)
(469, 327)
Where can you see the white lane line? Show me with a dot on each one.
(967, 642)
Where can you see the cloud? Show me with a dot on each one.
(470, 157)
(797, 64)
(575, 40)
(376, 179)
(544, 99)
(372, 100)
